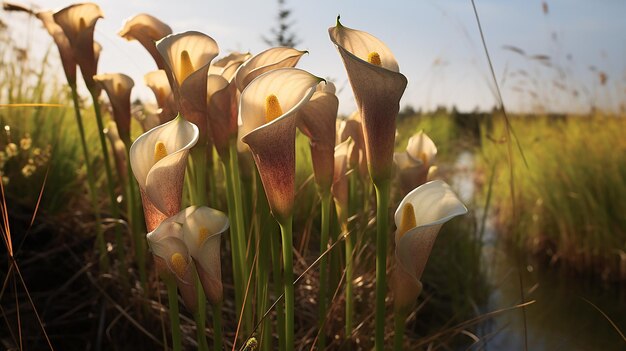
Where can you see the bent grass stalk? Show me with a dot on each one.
(104, 261)
(382, 218)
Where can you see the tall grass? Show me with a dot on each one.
(570, 199)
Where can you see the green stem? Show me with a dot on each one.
(263, 219)
(321, 341)
(237, 277)
(115, 212)
(287, 235)
(102, 252)
(198, 193)
(217, 327)
(172, 297)
(278, 289)
(136, 220)
(382, 217)
(200, 317)
(399, 324)
(349, 242)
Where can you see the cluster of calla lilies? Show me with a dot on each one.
(248, 107)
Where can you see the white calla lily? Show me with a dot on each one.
(415, 164)
(158, 159)
(268, 60)
(419, 218)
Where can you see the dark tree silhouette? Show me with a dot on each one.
(282, 34)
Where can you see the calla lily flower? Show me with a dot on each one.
(227, 66)
(172, 259)
(202, 230)
(222, 111)
(351, 128)
(147, 30)
(415, 163)
(418, 219)
(147, 115)
(187, 57)
(158, 159)
(119, 150)
(118, 87)
(78, 22)
(63, 44)
(159, 84)
(267, 123)
(378, 86)
(340, 181)
(268, 60)
(317, 119)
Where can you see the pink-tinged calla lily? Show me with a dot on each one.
(222, 111)
(418, 219)
(268, 60)
(415, 163)
(63, 44)
(147, 30)
(159, 84)
(340, 181)
(351, 128)
(187, 57)
(119, 150)
(172, 259)
(147, 115)
(158, 159)
(267, 124)
(202, 232)
(78, 22)
(227, 66)
(317, 120)
(378, 86)
(118, 87)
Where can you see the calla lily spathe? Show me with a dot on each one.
(147, 30)
(351, 128)
(202, 230)
(415, 164)
(119, 150)
(267, 124)
(118, 87)
(222, 112)
(268, 60)
(418, 219)
(159, 84)
(227, 66)
(78, 22)
(172, 259)
(378, 86)
(63, 44)
(340, 182)
(158, 159)
(187, 57)
(317, 120)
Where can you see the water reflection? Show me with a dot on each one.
(560, 319)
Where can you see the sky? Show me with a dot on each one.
(436, 43)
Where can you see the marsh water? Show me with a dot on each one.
(561, 316)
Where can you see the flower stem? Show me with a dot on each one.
(278, 287)
(399, 325)
(200, 317)
(287, 236)
(115, 212)
(382, 217)
(323, 292)
(198, 193)
(172, 296)
(350, 240)
(217, 327)
(102, 252)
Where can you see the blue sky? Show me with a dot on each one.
(436, 43)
